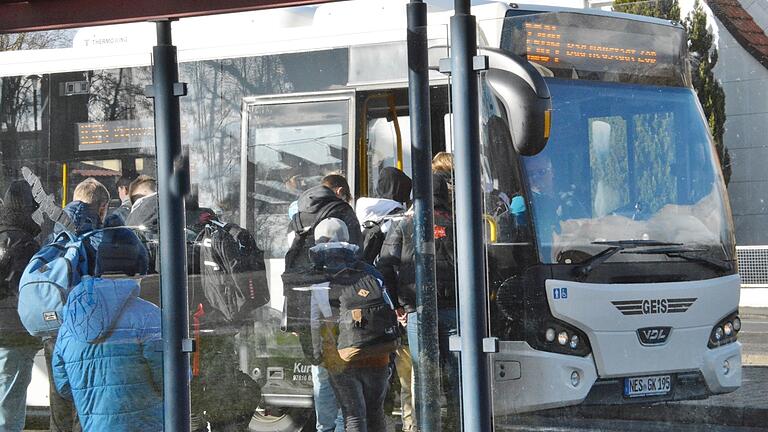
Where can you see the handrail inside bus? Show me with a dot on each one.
(363, 143)
(492, 227)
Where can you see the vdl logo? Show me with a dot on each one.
(560, 293)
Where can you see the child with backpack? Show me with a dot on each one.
(108, 357)
(330, 199)
(356, 347)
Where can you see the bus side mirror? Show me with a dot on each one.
(526, 99)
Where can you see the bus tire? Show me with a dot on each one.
(286, 420)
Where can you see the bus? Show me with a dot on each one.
(610, 254)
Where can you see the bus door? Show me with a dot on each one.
(289, 143)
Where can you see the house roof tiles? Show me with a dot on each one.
(742, 27)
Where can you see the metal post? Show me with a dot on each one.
(473, 323)
(427, 383)
(173, 272)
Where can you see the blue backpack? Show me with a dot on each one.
(47, 281)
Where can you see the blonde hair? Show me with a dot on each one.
(442, 161)
(91, 192)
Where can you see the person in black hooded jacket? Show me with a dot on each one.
(330, 199)
(397, 265)
(17, 347)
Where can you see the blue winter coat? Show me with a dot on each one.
(108, 357)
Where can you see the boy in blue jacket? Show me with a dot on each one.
(108, 357)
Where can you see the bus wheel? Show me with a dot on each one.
(282, 420)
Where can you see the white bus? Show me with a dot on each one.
(611, 261)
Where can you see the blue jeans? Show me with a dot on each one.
(327, 412)
(361, 393)
(449, 362)
(15, 375)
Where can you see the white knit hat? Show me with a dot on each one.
(331, 230)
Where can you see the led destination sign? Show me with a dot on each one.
(546, 43)
(599, 47)
(115, 134)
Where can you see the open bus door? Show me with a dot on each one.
(289, 143)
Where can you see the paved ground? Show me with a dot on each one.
(754, 335)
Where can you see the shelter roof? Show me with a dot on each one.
(34, 15)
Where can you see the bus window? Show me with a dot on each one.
(382, 150)
(291, 146)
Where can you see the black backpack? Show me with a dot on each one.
(373, 237)
(367, 323)
(297, 256)
(296, 303)
(232, 279)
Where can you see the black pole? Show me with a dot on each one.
(173, 272)
(427, 382)
(473, 323)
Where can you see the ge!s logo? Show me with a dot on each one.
(560, 293)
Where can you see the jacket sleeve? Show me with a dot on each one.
(390, 259)
(60, 377)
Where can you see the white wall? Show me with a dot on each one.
(745, 82)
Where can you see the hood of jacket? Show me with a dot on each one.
(335, 256)
(394, 184)
(314, 199)
(375, 209)
(94, 306)
(83, 217)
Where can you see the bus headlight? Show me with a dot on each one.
(726, 331)
(560, 337)
(574, 342)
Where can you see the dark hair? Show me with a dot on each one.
(335, 181)
(123, 182)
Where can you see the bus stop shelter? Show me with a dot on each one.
(173, 179)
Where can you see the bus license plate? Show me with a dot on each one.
(647, 385)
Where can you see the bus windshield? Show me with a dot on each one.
(626, 162)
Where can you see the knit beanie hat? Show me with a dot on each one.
(331, 230)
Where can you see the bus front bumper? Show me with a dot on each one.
(526, 380)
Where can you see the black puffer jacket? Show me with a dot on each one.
(17, 245)
(397, 258)
(314, 202)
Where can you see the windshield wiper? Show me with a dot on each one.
(615, 246)
(683, 253)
